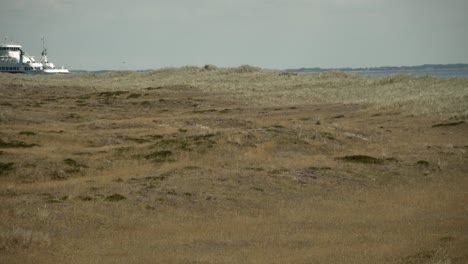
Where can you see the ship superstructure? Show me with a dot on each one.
(13, 59)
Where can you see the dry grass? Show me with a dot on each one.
(242, 165)
(273, 88)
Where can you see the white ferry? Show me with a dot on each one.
(14, 60)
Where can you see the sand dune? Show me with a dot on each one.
(233, 165)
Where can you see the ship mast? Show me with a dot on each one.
(44, 52)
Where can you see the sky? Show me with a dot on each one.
(273, 34)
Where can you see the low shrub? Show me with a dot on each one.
(362, 159)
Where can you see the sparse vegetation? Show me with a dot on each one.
(17, 237)
(179, 164)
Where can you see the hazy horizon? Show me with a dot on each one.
(273, 34)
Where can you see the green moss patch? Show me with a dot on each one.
(162, 155)
(16, 144)
(362, 159)
(423, 163)
(136, 140)
(110, 94)
(448, 124)
(134, 95)
(4, 167)
(27, 133)
(115, 198)
(74, 166)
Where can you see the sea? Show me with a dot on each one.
(435, 70)
(440, 73)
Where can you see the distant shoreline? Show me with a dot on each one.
(439, 70)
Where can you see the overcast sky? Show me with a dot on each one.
(275, 34)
